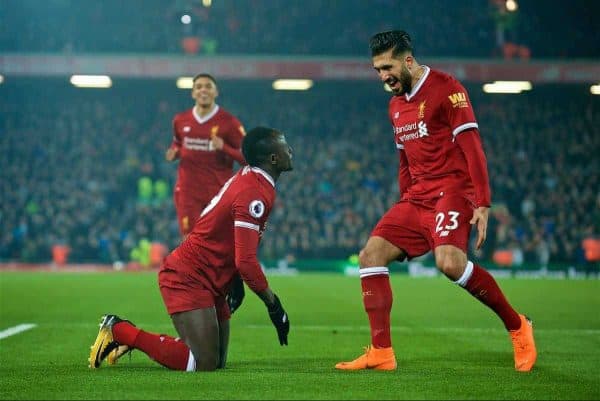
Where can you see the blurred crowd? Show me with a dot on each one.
(73, 159)
(462, 28)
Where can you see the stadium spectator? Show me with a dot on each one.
(29, 26)
(196, 276)
(445, 189)
(206, 141)
(58, 188)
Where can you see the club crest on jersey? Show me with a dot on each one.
(421, 114)
(214, 130)
(257, 208)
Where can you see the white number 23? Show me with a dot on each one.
(452, 222)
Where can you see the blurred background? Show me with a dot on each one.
(82, 173)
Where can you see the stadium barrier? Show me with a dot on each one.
(424, 267)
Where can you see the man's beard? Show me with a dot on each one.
(405, 82)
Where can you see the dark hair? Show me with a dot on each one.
(398, 40)
(205, 75)
(258, 144)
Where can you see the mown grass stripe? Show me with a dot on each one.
(350, 328)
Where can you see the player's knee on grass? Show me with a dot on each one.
(200, 331)
(207, 363)
(206, 352)
(207, 359)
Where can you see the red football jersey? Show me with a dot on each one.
(426, 123)
(226, 236)
(202, 169)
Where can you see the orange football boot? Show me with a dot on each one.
(524, 345)
(373, 358)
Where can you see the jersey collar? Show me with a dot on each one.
(202, 120)
(262, 172)
(420, 82)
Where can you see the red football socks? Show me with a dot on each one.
(482, 286)
(377, 298)
(166, 350)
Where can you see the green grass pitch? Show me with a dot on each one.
(448, 345)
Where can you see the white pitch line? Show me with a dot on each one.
(11, 331)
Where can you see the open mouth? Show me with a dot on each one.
(393, 83)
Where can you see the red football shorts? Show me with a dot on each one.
(188, 209)
(182, 293)
(417, 228)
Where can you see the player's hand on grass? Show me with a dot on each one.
(280, 320)
(236, 293)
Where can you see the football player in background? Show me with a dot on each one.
(206, 142)
(195, 277)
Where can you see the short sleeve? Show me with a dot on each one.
(458, 108)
